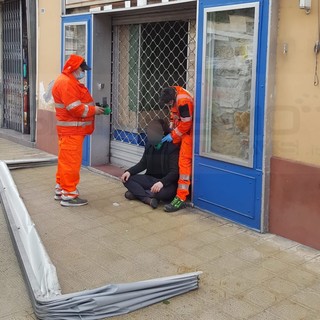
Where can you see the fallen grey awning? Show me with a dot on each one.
(30, 163)
(41, 277)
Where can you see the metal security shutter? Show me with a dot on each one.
(178, 10)
(152, 48)
(12, 117)
(1, 67)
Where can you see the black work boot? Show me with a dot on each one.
(152, 202)
(74, 202)
(129, 195)
(175, 205)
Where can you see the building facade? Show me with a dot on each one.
(253, 74)
(18, 69)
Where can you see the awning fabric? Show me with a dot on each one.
(41, 277)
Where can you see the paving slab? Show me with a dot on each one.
(246, 275)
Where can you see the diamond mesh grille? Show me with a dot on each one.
(146, 58)
(12, 66)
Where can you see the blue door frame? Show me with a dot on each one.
(82, 19)
(232, 190)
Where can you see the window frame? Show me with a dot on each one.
(205, 118)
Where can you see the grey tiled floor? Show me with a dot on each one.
(246, 275)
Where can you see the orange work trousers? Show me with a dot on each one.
(69, 162)
(185, 166)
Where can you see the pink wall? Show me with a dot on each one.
(46, 136)
(295, 201)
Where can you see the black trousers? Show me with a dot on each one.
(140, 185)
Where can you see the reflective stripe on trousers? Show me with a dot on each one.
(66, 195)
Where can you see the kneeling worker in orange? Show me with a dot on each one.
(75, 113)
(180, 103)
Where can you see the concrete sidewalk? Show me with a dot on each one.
(246, 275)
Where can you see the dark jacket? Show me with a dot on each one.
(161, 164)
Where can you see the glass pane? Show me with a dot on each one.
(75, 40)
(228, 90)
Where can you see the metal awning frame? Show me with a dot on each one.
(41, 277)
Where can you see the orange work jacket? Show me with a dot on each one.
(75, 108)
(181, 115)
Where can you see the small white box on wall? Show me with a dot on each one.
(305, 4)
(141, 3)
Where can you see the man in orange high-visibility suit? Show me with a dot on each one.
(75, 112)
(181, 107)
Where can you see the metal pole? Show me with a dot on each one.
(63, 7)
(32, 51)
(1, 68)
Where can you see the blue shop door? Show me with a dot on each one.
(229, 119)
(76, 39)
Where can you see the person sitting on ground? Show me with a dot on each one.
(160, 160)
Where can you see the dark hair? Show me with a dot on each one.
(164, 124)
(166, 95)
